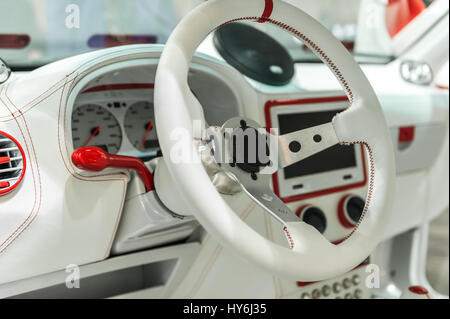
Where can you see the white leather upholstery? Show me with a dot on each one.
(56, 217)
(312, 257)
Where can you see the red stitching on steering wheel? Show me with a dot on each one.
(327, 60)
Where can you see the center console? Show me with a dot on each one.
(326, 190)
(335, 169)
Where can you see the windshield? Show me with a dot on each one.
(36, 32)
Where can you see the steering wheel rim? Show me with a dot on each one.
(311, 256)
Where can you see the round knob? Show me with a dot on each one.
(326, 290)
(313, 216)
(316, 294)
(350, 210)
(356, 279)
(358, 294)
(347, 283)
(337, 287)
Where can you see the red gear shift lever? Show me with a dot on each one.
(94, 159)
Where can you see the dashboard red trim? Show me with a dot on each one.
(9, 188)
(276, 103)
(94, 159)
(120, 86)
(341, 213)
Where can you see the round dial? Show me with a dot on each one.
(313, 216)
(140, 126)
(93, 125)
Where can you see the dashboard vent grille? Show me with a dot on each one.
(12, 163)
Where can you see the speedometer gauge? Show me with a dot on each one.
(93, 125)
(140, 126)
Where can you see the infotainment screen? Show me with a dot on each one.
(333, 158)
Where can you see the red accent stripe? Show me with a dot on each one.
(276, 187)
(8, 189)
(341, 213)
(120, 86)
(267, 11)
(4, 160)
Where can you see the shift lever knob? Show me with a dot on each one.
(94, 159)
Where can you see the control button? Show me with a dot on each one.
(337, 287)
(348, 296)
(326, 291)
(356, 279)
(305, 295)
(350, 209)
(347, 283)
(406, 134)
(358, 294)
(313, 216)
(316, 294)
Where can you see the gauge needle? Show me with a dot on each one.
(149, 128)
(96, 131)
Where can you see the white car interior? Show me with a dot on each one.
(117, 121)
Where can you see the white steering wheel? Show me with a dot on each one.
(311, 256)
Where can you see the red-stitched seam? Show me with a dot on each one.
(101, 57)
(80, 177)
(30, 215)
(289, 237)
(311, 44)
(37, 97)
(371, 184)
(38, 176)
(39, 179)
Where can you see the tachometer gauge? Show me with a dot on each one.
(140, 126)
(93, 125)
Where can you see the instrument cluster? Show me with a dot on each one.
(116, 111)
(118, 119)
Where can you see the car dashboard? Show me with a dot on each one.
(105, 99)
(116, 111)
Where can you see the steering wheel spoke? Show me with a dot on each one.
(297, 146)
(249, 171)
(270, 202)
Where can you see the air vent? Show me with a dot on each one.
(12, 163)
